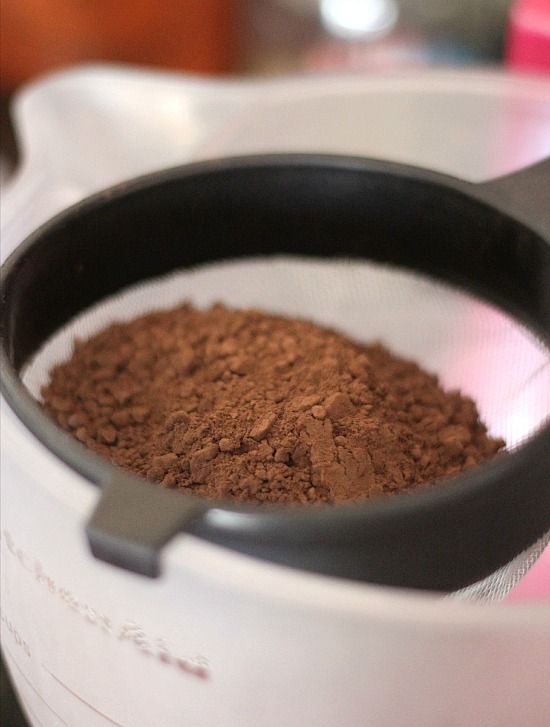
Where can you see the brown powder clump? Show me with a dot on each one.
(257, 407)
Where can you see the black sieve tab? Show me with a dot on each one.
(133, 520)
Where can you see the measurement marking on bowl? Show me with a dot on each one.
(81, 699)
(31, 686)
(129, 632)
(33, 714)
(14, 633)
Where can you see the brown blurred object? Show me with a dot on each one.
(40, 35)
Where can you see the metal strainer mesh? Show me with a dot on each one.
(468, 343)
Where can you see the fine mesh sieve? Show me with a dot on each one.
(327, 239)
(470, 344)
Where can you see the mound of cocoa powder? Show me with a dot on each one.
(251, 406)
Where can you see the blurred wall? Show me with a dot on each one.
(40, 35)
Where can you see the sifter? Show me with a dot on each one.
(343, 240)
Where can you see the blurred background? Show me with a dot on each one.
(263, 36)
(250, 36)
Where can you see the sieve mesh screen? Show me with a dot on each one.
(469, 344)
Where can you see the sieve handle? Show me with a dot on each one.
(133, 520)
(524, 195)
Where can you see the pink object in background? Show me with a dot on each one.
(528, 42)
(536, 584)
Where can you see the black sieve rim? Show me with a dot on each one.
(440, 538)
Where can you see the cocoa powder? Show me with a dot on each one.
(256, 407)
